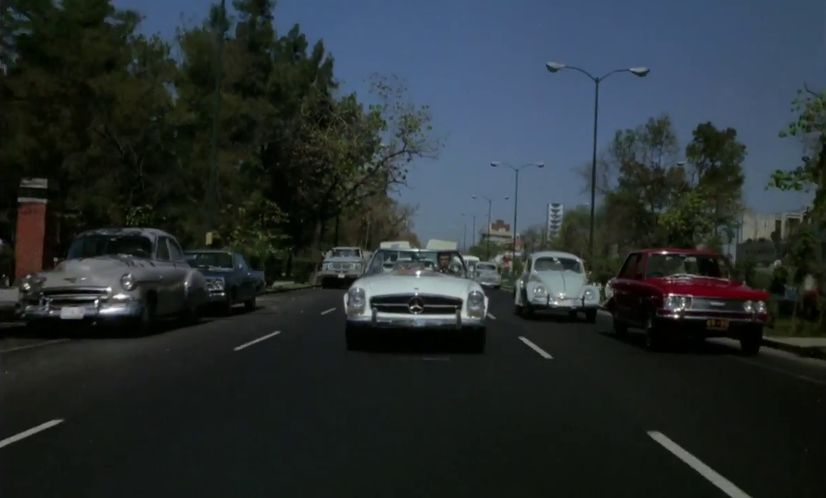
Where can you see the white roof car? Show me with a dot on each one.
(424, 289)
(555, 281)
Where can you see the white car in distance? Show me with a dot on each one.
(406, 288)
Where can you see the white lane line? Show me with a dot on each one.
(256, 341)
(490, 315)
(36, 345)
(704, 470)
(325, 312)
(536, 348)
(30, 432)
(783, 372)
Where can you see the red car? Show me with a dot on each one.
(692, 292)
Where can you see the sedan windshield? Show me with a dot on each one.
(485, 267)
(345, 253)
(557, 264)
(687, 265)
(90, 246)
(210, 259)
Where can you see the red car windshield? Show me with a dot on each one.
(687, 265)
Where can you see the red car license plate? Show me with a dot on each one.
(717, 324)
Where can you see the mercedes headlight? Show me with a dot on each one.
(127, 281)
(677, 303)
(761, 308)
(476, 304)
(748, 307)
(356, 301)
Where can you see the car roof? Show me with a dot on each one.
(675, 250)
(554, 254)
(146, 232)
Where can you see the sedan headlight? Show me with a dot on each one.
(748, 307)
(761, 308)
(215, 284)
(31, 281)
(677, 303)
(127, 281)
(356, 301)
(476, 304)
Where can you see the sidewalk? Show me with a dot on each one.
(8, 302)
(814, 347)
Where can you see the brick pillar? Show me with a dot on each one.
(30, 243)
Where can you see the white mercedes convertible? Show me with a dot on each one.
(419, 289)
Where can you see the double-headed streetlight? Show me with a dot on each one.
(554, 67)
(516, 170)
(490, 206)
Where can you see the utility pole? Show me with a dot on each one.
(212, 193)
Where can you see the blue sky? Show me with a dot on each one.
(480, 66)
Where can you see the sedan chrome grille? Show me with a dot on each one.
(421, 304)
(74, 295)
(712, 304)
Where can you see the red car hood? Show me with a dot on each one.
(707, 287)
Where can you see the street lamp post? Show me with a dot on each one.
(516, 170)
(640, 72)
(490, 207)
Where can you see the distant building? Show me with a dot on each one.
(499, 233)
(554, 221)
(761, 237)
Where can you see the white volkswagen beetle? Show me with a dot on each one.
(555, 281)
(408, 288)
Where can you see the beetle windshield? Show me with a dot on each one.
(90, 246)
(557, 264)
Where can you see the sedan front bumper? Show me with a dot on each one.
(405, 321)
(82, 312)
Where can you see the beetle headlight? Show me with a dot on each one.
(476, 304)
(127, 281)
(539, 291)
(590, 295)
(677, 303)
(356, 301)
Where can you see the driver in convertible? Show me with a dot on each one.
(444, 262)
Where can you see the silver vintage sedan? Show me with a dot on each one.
(123, 274)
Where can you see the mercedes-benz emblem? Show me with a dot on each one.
(416, 305)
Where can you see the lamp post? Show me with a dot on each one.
(640, 72)
(516, 170)
(490, 207)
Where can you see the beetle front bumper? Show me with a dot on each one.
(566, 305)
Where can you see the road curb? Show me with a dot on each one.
(809, 352)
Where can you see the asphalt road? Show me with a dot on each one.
(552, 408)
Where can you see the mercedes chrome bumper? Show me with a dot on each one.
(394, 320)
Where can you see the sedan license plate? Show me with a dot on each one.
(717, 324)
(340, 275)
(71, 313)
